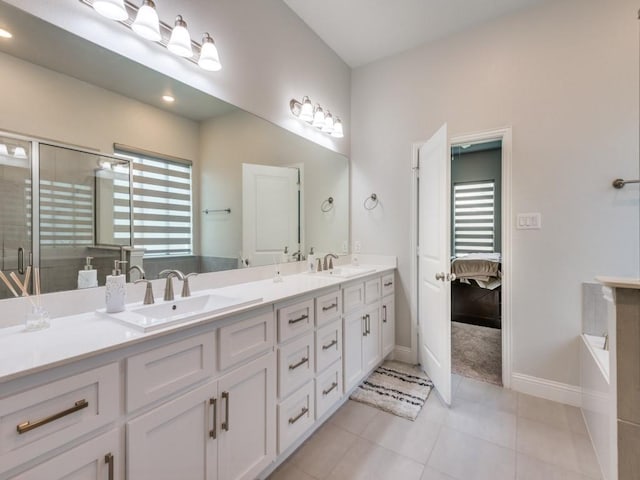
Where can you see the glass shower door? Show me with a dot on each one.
(15, 208)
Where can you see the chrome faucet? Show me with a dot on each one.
(140, 271)
(148, 293)
(168, 286)
(298, 256)
(330, 256)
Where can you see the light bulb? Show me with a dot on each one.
(306, 110)
(20, 152)
(209, 59)
(147, 24)
(328, 123)
(180, 41)
(113, 9)
(318, 117)
(337, 129)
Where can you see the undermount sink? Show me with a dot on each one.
(161, 315)
(346, 271)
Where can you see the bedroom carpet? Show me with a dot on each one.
(395, 387)
(476, 352)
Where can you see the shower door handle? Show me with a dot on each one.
(21, 261)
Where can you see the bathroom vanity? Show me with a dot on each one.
(225, 396)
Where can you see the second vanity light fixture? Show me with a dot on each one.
(147, 24)
(316, 116)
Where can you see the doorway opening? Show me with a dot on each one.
(476, 248)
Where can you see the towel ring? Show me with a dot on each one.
(327, 205)
(371, 202)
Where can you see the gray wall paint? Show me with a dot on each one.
(480, 166)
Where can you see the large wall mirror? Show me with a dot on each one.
(198, 184)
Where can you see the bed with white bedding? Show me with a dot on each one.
(476, 292)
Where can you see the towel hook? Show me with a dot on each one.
(371, 202)
(327, 205)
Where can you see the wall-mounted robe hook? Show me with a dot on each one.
(327, 205)
(371, 202)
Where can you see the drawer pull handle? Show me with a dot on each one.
(108, 459)
(384, 318)
(300, 363)
(364, 332)
(26, 426)
(225, 424)
(334, 385)
(330, 307)
(293, 420)
(299, 319)
(388, 284)
(368, 324)
(330, 344)
(212, 432)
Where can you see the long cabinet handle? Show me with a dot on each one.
(108, 459)
(388, 284)
(293, 420)
(330, 307)
(28, 425)
(225, 424)
(299, 319)
(330, 344)
(213, 432)
(364, 319)
(333, 386)
(300, 363)
(384, 317)
(368, 324)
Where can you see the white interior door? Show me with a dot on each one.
(270, 213)
(434, 288)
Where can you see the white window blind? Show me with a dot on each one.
(162, 205)
(474, 217)
(66, 214)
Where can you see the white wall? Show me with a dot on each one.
(268, 54)
(228, 141)
(565, 77)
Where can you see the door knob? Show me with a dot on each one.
(440, 276)
(451, 277)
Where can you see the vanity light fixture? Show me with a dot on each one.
(317, 117)
(147, 23)
(209, 59)
(20, 152)
(113, 9)
(180, 41)
(3, 149)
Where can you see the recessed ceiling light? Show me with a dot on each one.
(5, 33)
(168, 98)
(465, 146)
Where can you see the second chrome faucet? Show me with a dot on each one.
(168, 287)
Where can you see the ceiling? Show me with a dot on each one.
(362, 31)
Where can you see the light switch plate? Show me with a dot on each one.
(529, 221)
(357, 246)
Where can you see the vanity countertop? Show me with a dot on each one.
(88, 334)
(620, 282)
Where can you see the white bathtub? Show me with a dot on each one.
(597, 400)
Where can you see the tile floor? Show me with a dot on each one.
(489, 433)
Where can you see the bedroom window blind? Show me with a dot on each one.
(473, 217)
(162, 205)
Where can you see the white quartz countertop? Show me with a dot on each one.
(84, 335)
(620, 282)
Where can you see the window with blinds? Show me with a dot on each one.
(473, 217)
(162, 206)
(66, 214)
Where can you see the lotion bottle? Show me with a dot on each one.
(116, 289)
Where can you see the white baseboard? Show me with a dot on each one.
(403, 354)
(549, 389)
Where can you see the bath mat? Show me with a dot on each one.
(397, 388)
(476, 352)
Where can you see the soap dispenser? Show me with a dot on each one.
(116, 291)
(311, 261)
(284, 258)
(88, 278)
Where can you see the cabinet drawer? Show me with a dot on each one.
(294, 320)
(328, 307)
(328, 389)
(372, 290)
(328, 345)
(54, 414)
(353, 297)
(245, 339)
(295, 416)
(295, 364)
(387, 283)
(162, 371)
